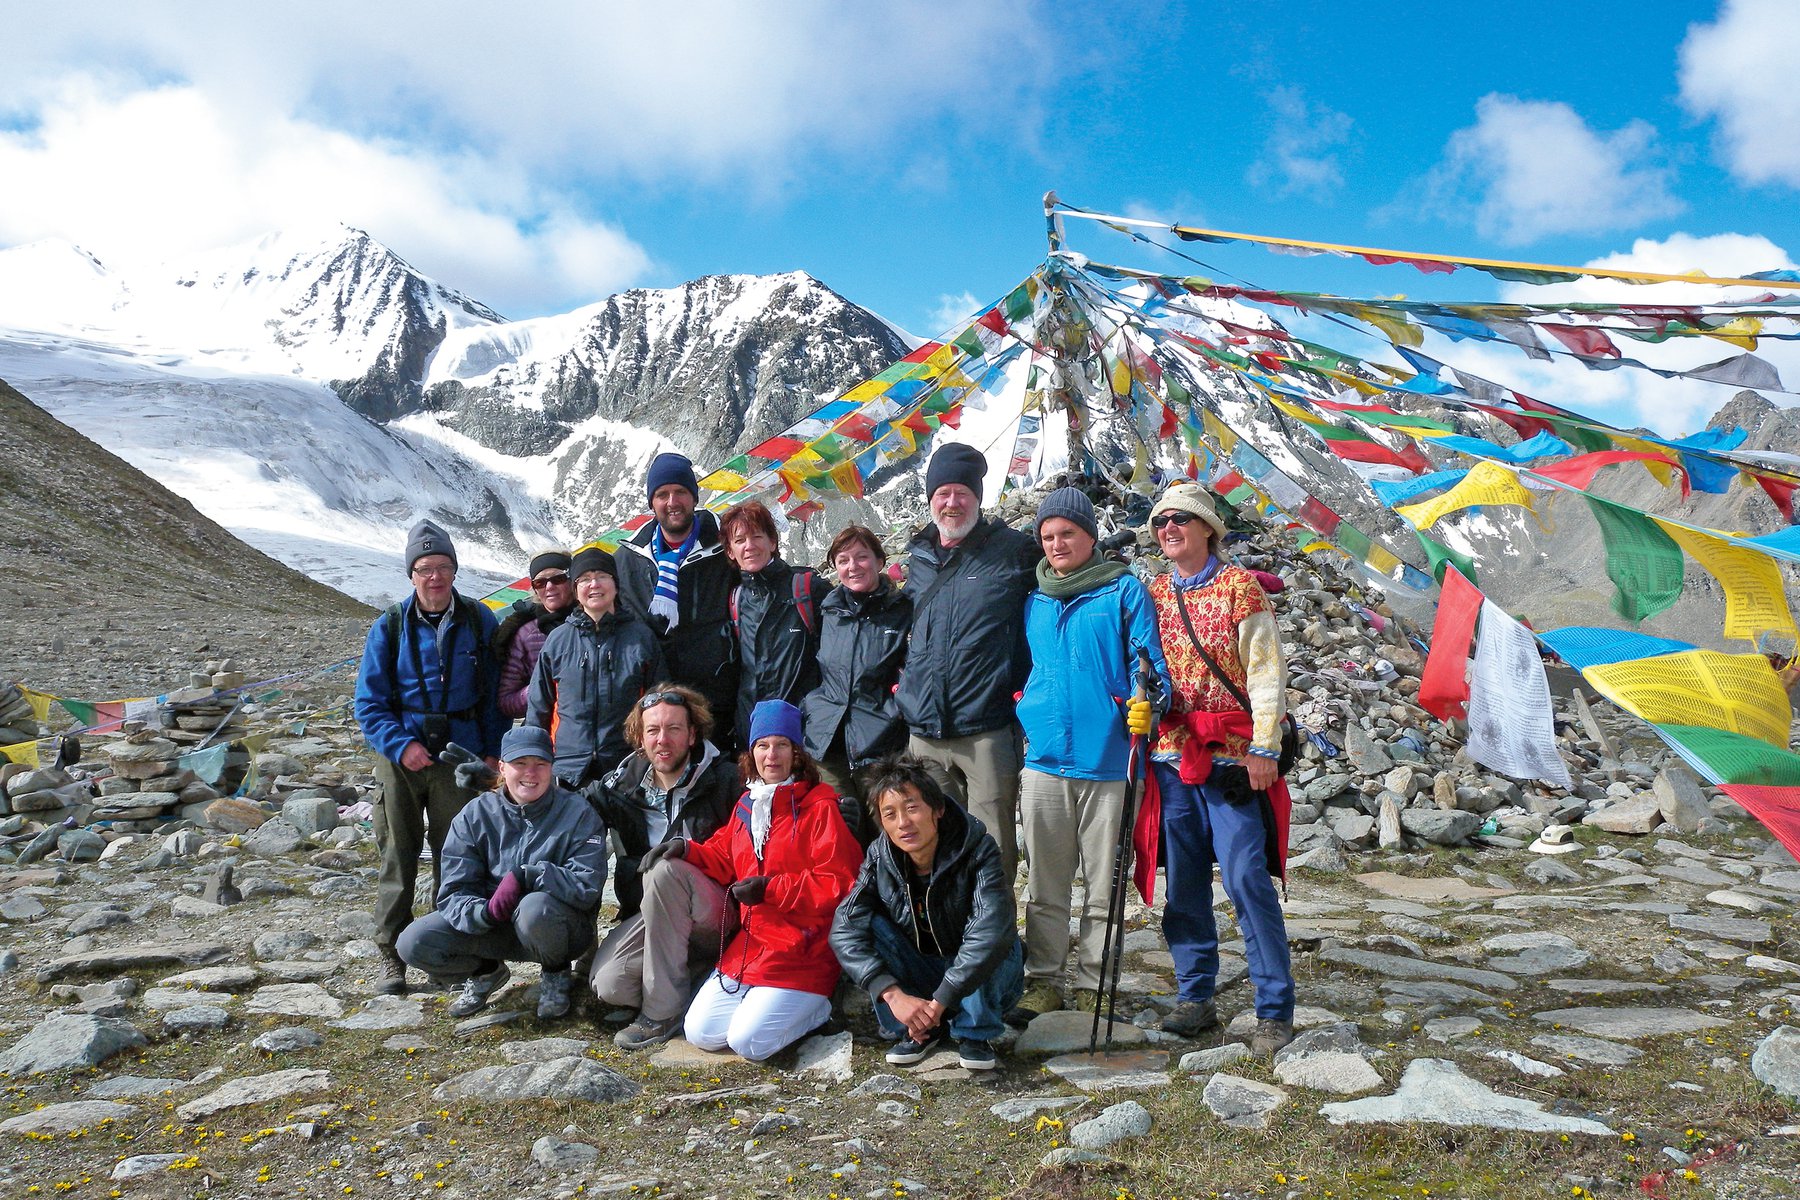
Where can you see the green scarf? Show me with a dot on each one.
(1097, 572)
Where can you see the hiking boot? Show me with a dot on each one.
(476, 990)
(390, 973)
(911, 1050)
(976, 1055)
(646, 1032)
(1085, 1000)
(556, 990)
(1041, 997)
(1190, 1018)
(1271, 1035)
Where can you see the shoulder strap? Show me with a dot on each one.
(731, 604)
(803, 581)
(391, 619)
(945, 573)
(1237, 693)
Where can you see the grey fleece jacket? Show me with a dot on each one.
(558, 838)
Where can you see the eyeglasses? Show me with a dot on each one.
(550, 581)
(433, 572)
(655, 698)
(1178, 518)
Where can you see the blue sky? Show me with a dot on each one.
(898, 152)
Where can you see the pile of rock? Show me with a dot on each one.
(18, 721)
(147, 782)
(41, 791)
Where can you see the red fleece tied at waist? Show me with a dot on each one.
(1205, 732)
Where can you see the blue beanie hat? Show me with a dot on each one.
(527, 741)
(1071, 504)
(670, 468)
(775, 718)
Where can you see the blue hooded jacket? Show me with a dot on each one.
(448, 669)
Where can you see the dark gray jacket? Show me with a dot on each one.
(969, 899)
(557, 832)
(778, 643)
(700, 805)
(587, 678)
(699, 649)
(862, 644)
(968, 655)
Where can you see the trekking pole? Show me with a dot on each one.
(1112, 951)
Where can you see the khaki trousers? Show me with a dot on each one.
(1071, 826)
(651, 961)
(982, 771)
(416, 809)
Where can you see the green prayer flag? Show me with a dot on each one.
(969, 342)
(1641, 560)
(1735, 758)
(1018, 303)
(1354, 542)
(1438, 554)
(81, 710)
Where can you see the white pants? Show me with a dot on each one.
(755, 1022)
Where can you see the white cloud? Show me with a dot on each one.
(1535, 168)
(1739, 71)
(950, 311)
(1299, 156)
(157, 172)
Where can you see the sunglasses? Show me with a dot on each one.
(655, 698)
(550, 581)
(1177, 518)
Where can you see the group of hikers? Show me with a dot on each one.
(795, 782)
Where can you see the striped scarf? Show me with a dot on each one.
(666, 602)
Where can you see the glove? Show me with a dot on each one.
(1139, 716)
(621, 816)
(505, 900)
(471, 772)
(749, 891)
(675, 847)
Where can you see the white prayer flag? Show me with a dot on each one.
(1510, 726)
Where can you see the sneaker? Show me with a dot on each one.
(975, 1056)
(1041, 997)
(1271, 1035)
(646, 1032)
(1189, 1018)
(556, 990)
(390, 973)
(476, 990)
(909, 1051)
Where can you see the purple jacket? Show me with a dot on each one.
(522, 635)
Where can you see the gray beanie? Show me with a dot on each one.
(428, 538)
(1071, 504)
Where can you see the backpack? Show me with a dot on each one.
(802, 581)
(464, 609)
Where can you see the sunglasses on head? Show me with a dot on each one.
(655, 698)
(1177, 518)
(550, 581)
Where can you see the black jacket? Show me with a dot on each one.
(698, 650)
(969, 901)
(701, 805)
(968, 655)
(587, 678)
(778, 645)
(862, 643)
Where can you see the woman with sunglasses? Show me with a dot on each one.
(592, 669)
(786, 860)
(1209, 609)
(520, 638)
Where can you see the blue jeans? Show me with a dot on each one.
(977, 1016)
(1199, 827)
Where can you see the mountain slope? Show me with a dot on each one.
(104, 572)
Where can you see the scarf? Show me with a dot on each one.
(1199, 578)
(666, 602)
(1097, 572)
(762, 812)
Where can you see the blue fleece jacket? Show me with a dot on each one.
(430, 670)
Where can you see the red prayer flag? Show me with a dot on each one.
(1584, 340)
(1778, 808)
(1169, 423)
(993, 320)
(1318, 516)
(1444, 687)
(925, 351)
(1579, 472)
(1781, 493)
(1428, 266)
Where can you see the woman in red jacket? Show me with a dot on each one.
(788, 860)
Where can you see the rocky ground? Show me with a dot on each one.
(1506, 989)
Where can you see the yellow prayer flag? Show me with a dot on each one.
(1382, 560)
(39, 701)
(1366, 387)
(1662, 472)
(1739, 331)
(724, 481)
(942, 358)
(1396, 328)
(1219, 432)
(1488, 483)
(868, 389)
(847, 480)
(23, 752)
(1736, 692)
(1754, 598)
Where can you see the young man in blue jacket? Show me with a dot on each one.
(427, 679)
(1086, 623)
(522, 871)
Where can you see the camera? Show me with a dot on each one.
(434, 732)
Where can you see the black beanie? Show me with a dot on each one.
(547, 560)
(592, 558)
(427, 538)
(670, 468)
(1071, 504)
(956, 463)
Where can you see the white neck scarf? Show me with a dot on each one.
(762, 812)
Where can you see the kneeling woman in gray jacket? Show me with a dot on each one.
(929, 929)
(521, 876)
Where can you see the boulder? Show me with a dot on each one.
(1441, 827)
(1777, 1061)
(63, 1041)
(1679, 798)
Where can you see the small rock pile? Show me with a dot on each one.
(18, 721)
